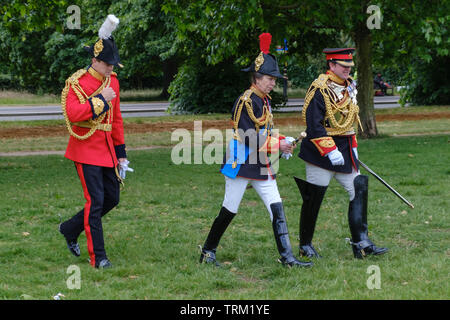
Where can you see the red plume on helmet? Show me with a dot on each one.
(265, 62)
(264, 42)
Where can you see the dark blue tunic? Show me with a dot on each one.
(257, 166)
(315, 128)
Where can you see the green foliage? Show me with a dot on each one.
(427, 83)
(412, 47)
(211, 89)
(147, 43)
(302, 73)
(64, 62)
(225, 34)
(38, 51)
(6, 82)
(197, 89)
(24, 29)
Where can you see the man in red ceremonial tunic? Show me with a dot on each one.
(91, 106)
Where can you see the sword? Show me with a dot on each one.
(386, 184)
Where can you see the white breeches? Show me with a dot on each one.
(235, 189)
(322, 177)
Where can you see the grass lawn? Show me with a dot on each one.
(166, 211)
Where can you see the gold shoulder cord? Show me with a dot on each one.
(347, 109)
(246, 101)
(72, 82)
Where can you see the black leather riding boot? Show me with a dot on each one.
(357, 221)
(218, 227)
(281, 234)
(312, 200)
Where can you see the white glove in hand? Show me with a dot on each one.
(290, 141)
(123, 168)
(355, 150)
(336, 158)
(286, 155)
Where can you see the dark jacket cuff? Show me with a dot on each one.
(98, 106)
(121, 151)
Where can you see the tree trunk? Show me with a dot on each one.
(365, 81)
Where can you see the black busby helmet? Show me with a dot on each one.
(265, 63)
(342, 56)
(105, 48)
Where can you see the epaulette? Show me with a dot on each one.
(73, 82)
(73, 79)
(245, 100)
(348, 111)
(321, 81)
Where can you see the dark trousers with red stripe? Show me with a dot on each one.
(101, 190)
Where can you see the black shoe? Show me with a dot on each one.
(104, 264)
(209, 257)
(366, 248)
(308, 251)
(295, 263)
(72, 245)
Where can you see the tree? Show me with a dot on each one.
(214, 34)
(224, 28)
(415, 39)
(42, 50)
(24, 28)
(228, 29)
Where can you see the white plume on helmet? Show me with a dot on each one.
(108, 26)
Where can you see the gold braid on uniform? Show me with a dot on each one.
(345, 109)
(72, 82)
(264, 120)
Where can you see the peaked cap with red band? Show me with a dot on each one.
(265, 63)
(342, 56)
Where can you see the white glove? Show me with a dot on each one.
(123, 168)
(355, 150)
(290, 141)
(286, 155)
(336, 158)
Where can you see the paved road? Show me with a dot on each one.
(148, 109)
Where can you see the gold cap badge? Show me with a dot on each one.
(98, 47)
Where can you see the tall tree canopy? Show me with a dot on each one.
(206, 43)
(40, 49)
(404, 31)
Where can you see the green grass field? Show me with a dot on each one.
(166, 211)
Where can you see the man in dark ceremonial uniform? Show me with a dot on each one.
(330, 151)
(247, 159)
(91, 107)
